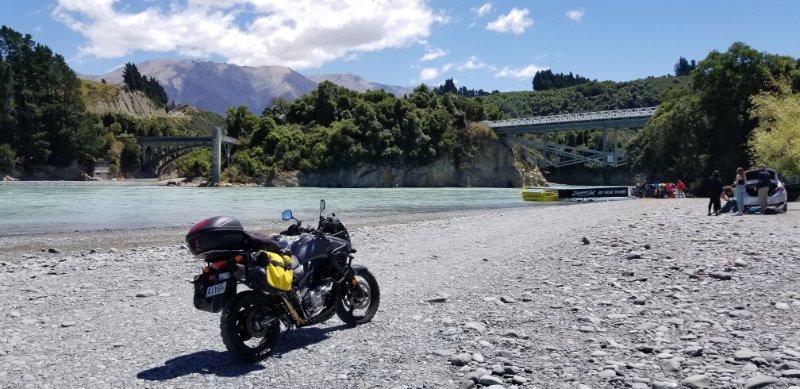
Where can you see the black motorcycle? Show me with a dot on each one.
(324, 280)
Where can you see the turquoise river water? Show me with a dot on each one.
(62, 207)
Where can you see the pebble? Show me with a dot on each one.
(460, 359)
(508, 300)
(721, 275)
(608, 373)
(782, 306)
(146, 293)
(697, 381)
(491, 380)
(14, 314)
(759, 381)
(663, 385)
(442, 352)
(744, 354)
(68, 324)
(740, 262)
(794, 373)
(474, 325)
(440, 299)
(53, 251)
(670, 365)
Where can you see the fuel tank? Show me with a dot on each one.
(309, 247)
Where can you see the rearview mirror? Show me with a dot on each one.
(322, 205)
(287, 215)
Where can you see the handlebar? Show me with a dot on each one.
(296, 229)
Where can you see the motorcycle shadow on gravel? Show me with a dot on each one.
(202, 362)
(222, 364)
(304, 337)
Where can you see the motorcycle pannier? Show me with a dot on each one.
(274, 271)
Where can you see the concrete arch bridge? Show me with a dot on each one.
(158, 152)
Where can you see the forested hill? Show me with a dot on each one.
(592, 96)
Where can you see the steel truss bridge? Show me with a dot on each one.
(551, 153)
(159, 152)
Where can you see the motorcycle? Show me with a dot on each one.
(292, 284)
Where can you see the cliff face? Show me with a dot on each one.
(102, 98)
(491, 166)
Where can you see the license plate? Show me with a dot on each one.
(214, 290)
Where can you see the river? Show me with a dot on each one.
(28, 207)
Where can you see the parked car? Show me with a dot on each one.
(777, 195)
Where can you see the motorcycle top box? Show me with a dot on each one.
(216, 233)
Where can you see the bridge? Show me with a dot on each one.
(551, 153)
(159, 152)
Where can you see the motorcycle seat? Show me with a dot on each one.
(259, 241)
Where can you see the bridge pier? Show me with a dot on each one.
(216, 154)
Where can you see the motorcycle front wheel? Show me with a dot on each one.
(359, 303)
(250, 327)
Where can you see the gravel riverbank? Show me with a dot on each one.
(627, 294)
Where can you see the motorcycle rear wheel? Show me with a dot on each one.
(359, 303)
(249, 328)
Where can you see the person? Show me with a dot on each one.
(680, 186)
(670, 191)
(729, 197)
(715, 192)
(740, 185)
(764, 180)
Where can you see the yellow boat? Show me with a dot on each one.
(539, 194)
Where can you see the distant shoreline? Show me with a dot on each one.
(133, 182)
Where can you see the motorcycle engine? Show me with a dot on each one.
(314, 300)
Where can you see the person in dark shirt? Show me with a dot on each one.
(715, 191)
(764, 181)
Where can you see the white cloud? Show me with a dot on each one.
(433, 54)
(516, 21)
(575, 15)
(520, 73)
(482, 10)
(446, 67)
(300, 34)
(428, 74)
(472, 64)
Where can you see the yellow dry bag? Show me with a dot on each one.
(279, 271)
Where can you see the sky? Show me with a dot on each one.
(489, 45)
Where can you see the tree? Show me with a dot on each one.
(684, 67)
(131, 77)
(546, 79)
(240, 122)
(8, 158)
(725, 83)
(47, 106)
(149, 86)
(776, 139)
(669, 145)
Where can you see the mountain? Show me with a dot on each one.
(215, 86)
(356, 83)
